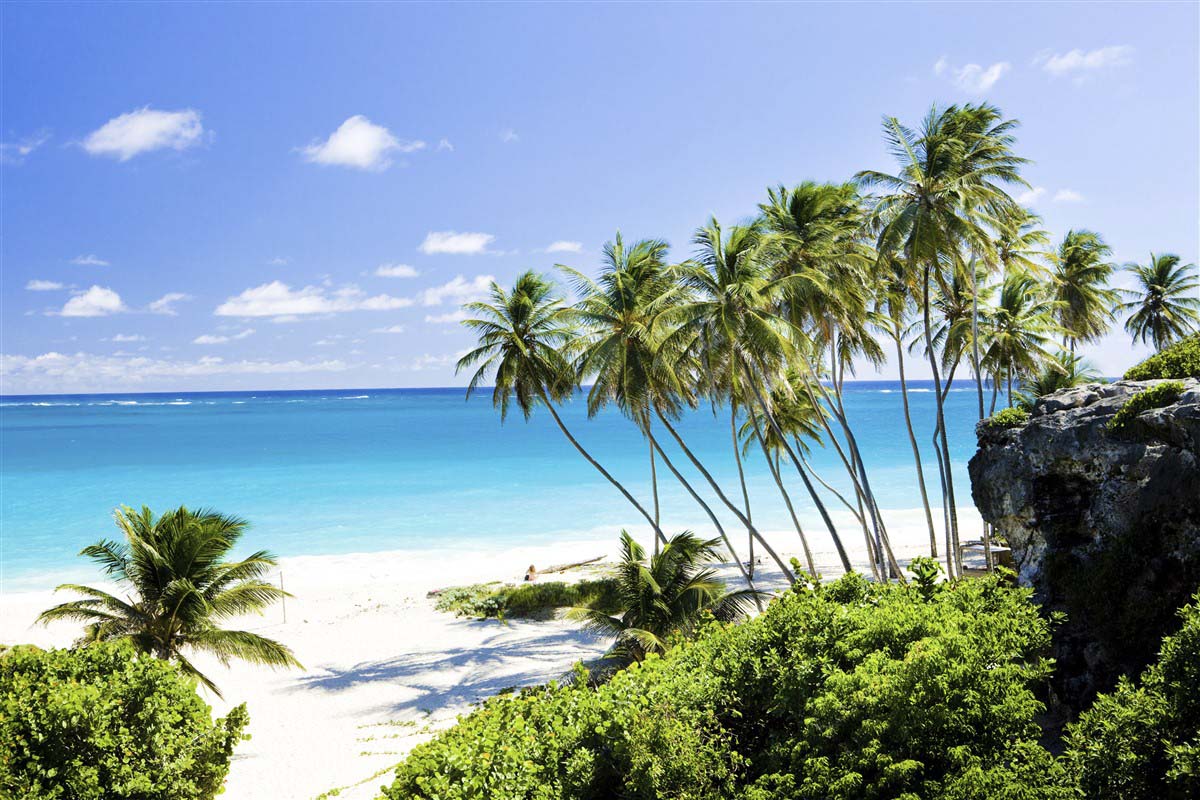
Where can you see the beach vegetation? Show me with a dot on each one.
(536, 599)
(106, 722)
(843, 690)
(1179, 360)
(1156, 396)
(178, 588)
(1011, 417)
(1062, 371)
(663, 597)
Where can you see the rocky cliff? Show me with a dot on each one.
(1104, 524)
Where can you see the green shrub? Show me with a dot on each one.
(841, 691)
(1180, 360)
(1007, 418)
(102, 723)
(1142, 742)
(1157, 396)
(499, 600)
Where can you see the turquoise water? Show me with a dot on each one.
(321, 472)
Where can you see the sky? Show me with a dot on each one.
(276, 196)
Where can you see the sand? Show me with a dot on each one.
(384, 670)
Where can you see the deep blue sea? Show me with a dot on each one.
(353, 470)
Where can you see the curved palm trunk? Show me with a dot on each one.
(737, 512)
(654, 489)
(912, 440)
(817, 477)
(947, 477)
(712, 517)
(737, 457)
(812, 491)
(773, 466)
(562, 426)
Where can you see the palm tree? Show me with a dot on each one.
(1165, 306)
(664, 596)
(1080, 276)
(949, 184)
(178, 589)
(1063, 371)
(520, 335)
(1021, 328)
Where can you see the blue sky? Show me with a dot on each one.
(227, 196)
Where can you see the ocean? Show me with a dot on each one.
(366, 470)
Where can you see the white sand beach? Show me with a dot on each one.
(384, 670)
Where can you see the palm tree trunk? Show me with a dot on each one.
(737, 512)
(561, 426)
(817, 477)
(654, 489)
(948, 479)
(737, 456)
(707, 510)
(773, 466)
(912, 440)
(812, 491)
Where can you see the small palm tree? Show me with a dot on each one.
(1165, 305)
(179, 588)
(664, 596)
(1063, 371)
(1021, 327)
(1085, 303)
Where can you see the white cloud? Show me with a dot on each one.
(90, 260)
(509, 135)
(361, 144)
(1031, 196)
(444, 144)
(455, 243)
(390, 329)
(1081, 61)
(58, 370)
(43, 286)
(216, 338)
(459, 290)
(130, 337)
(447, 318)
(1067, 196)
(563, 246)
(97, 301)
(144, 130)
(430, 361)
(973, 78)
(396, 271)
(15, 152)
(278, 261)
(277, 299)
(166, 304)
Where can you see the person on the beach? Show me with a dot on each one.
(531, 573)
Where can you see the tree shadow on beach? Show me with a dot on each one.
(463, 675)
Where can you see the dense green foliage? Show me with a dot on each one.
(178, 589)
(1007, 418)
(535, 599)
(1156, 396)
(103, 722)
(847, 690)
(1142, 742)
(1180, 360)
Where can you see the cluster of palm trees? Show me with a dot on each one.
(769, 317)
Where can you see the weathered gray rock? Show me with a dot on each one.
(1105, 526)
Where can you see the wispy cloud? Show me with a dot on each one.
(144, 130)
(459, 290)
(396, 271)
(973, 78)
(508, 135)
(127, 337)
(43, 286)
(277, 299)
(1079, 62)
(448, 318)
(16, 152)
(445, 145)
(220, 338)
(166, 304)
(1067, 196)
(455, 243)
(278, 261)
(1031, 196)
(98, 301)
(563, 246)
(90, 260)
(360, 144)
(390, 329)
